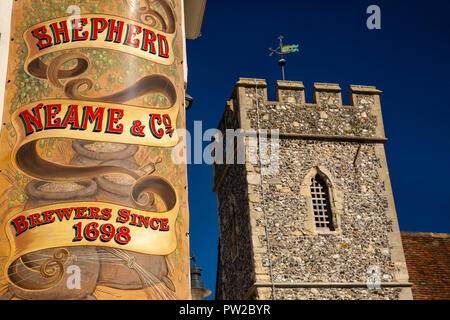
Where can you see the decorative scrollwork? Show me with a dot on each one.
(72, 88)
(53, 268)
(153, 18)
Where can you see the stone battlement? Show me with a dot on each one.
(288, 89)
(292, 115)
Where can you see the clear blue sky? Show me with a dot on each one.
(408, 59)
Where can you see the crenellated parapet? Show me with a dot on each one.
(325, 116)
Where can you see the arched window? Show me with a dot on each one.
(321, 204)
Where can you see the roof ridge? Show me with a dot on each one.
(429, 234)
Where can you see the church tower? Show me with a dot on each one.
(316, 220)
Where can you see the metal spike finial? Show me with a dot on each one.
(198, 290)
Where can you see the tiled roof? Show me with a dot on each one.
(428, 261)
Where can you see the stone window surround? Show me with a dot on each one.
(321, 204)
(336, 202)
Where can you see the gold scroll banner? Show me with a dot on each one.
(91, 121)
(95, 31)
(97, 121)
(92, 224)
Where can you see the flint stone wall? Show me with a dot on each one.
(235, 271)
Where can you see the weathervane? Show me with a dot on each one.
(282, 50)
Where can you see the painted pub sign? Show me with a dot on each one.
(91, 204)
